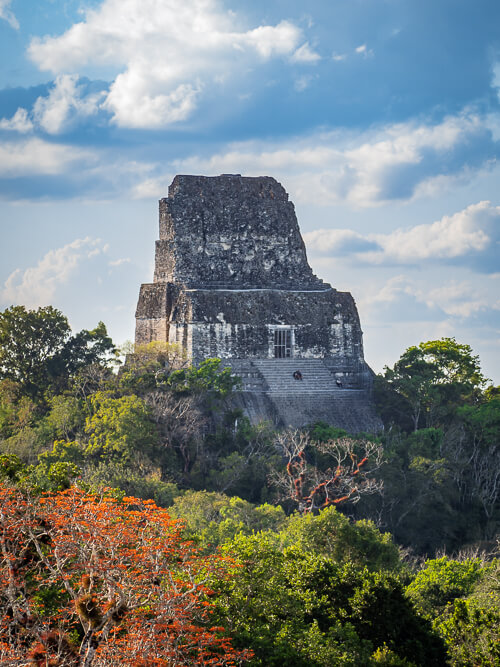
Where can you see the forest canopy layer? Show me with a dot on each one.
(141, 509)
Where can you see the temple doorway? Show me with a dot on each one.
(282, 343)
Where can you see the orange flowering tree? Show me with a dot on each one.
(91, 580)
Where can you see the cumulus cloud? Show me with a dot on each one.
(20, 122)
(400, 159)
(267, 40)
(304, 54)
(7, 15)
(37, 285)
(470, 237)
(35, 156)
(395, 162)
(151, 111)
(417, 305)
(459, 299)
(471, 231)
(399, 300)
(34, 168)
(65, 102)
(163, 53)
(402, 298)
(339, 242)
(401, 162)
(151, 188)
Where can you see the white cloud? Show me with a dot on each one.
(404, 298)
(20, 122)
(119, 262)
(267, 40)
(396, 162)
(133, 106)
(71, 171)
(302, 82)
(412, 304)
(364, 51)
(405, 156)
(470, 237)
(458, 299)
(151, 188)
(64, 103)
(397, 300)
(164, 52)
(7, 15)
(37, 285)
(473, 230)
(338, 241)
(392, 291)
(338, 57)
(35, 156)
(304, 54)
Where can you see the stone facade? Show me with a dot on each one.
(232, 281)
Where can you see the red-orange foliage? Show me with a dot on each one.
(89, 580)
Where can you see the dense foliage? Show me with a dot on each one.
(442, 446)
(279, 550)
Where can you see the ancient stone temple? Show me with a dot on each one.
(232, 281)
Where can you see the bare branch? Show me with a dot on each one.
(347, 476)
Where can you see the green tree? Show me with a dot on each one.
(141, 480)
(148, 366)
(11, 467)
(119, 428)
(474, 448)
(38, 351)
(50, 477)
(420, 504)
(65, 419)
(208, 377)
(332, 534)
(213, 518)
(441, 581)
(29, 341)
(471, 632)
(239, 458)
(434, 377)
(85, 348)
(16, 411)
(470, 625)
(297, 608)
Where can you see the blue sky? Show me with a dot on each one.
(380, 117)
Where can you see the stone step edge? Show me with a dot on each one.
(304, 391)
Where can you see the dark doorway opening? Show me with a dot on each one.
(282, 343)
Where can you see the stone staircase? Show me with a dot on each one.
(251, 378)
(270, 390)
(278, 375)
